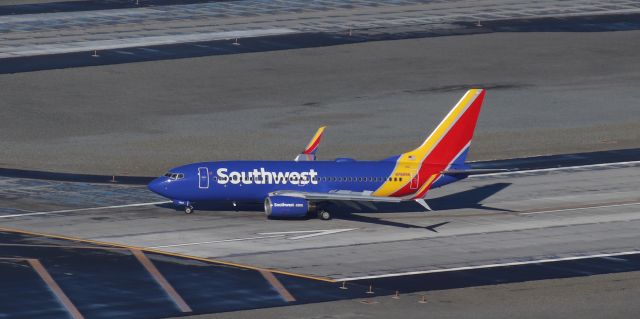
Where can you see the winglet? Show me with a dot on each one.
(315, 142)
(309, 153)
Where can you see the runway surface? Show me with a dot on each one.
(562, 234)
(601, 296)
(378, 99)
(484, 220)
(498, 228)
(84, 31)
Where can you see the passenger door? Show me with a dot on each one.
(203, 177)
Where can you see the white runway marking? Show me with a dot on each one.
(516, 263)
(309, 233)
(555, 169)
(141, 41)
(577, 208)
(216, 241)
(84, 209)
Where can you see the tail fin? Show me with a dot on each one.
(447, 145)
(450, 141)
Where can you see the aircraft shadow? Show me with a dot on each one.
(471, 198)
(219, 206)
(467, 199)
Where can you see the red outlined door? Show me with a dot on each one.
(415, 180)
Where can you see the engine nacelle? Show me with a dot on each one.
(287, 207)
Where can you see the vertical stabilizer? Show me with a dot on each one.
(447, 144)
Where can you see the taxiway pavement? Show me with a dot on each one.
(503, 218)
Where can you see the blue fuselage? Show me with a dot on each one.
(252, 181)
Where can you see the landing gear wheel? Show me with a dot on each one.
(188, 209)
(324, 215)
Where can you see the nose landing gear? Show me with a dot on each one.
(188, 209)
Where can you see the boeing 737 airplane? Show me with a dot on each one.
(299, 188)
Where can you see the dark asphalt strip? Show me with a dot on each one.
(595, 23)
(524, 163)
(91, 5)
(107, 283)
(503, 275)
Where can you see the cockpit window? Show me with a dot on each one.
(174, 176)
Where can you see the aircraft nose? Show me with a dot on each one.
(156, 186)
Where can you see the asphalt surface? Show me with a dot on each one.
(84, 31)
(499, 228)
(524, 163)
(249, 41)
(548, 93)
(378, 99)
(501, 218)
(602, 296)
(103, 281)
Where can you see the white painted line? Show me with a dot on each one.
(555, 169)
(145, 41)
(310, 233)
(84, 209)
(217, 241)
(516, 263)
(577, 208)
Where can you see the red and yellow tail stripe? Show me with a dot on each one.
(440, 149)
(315, 142)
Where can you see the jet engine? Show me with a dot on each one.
(287, 207)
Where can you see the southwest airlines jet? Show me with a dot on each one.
(299, 188)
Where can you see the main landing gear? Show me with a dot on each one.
(188, 209)
(324, 215)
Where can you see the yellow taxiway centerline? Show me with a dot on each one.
(151, 250)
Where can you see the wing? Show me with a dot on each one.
(309, 153)
(337, 195)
